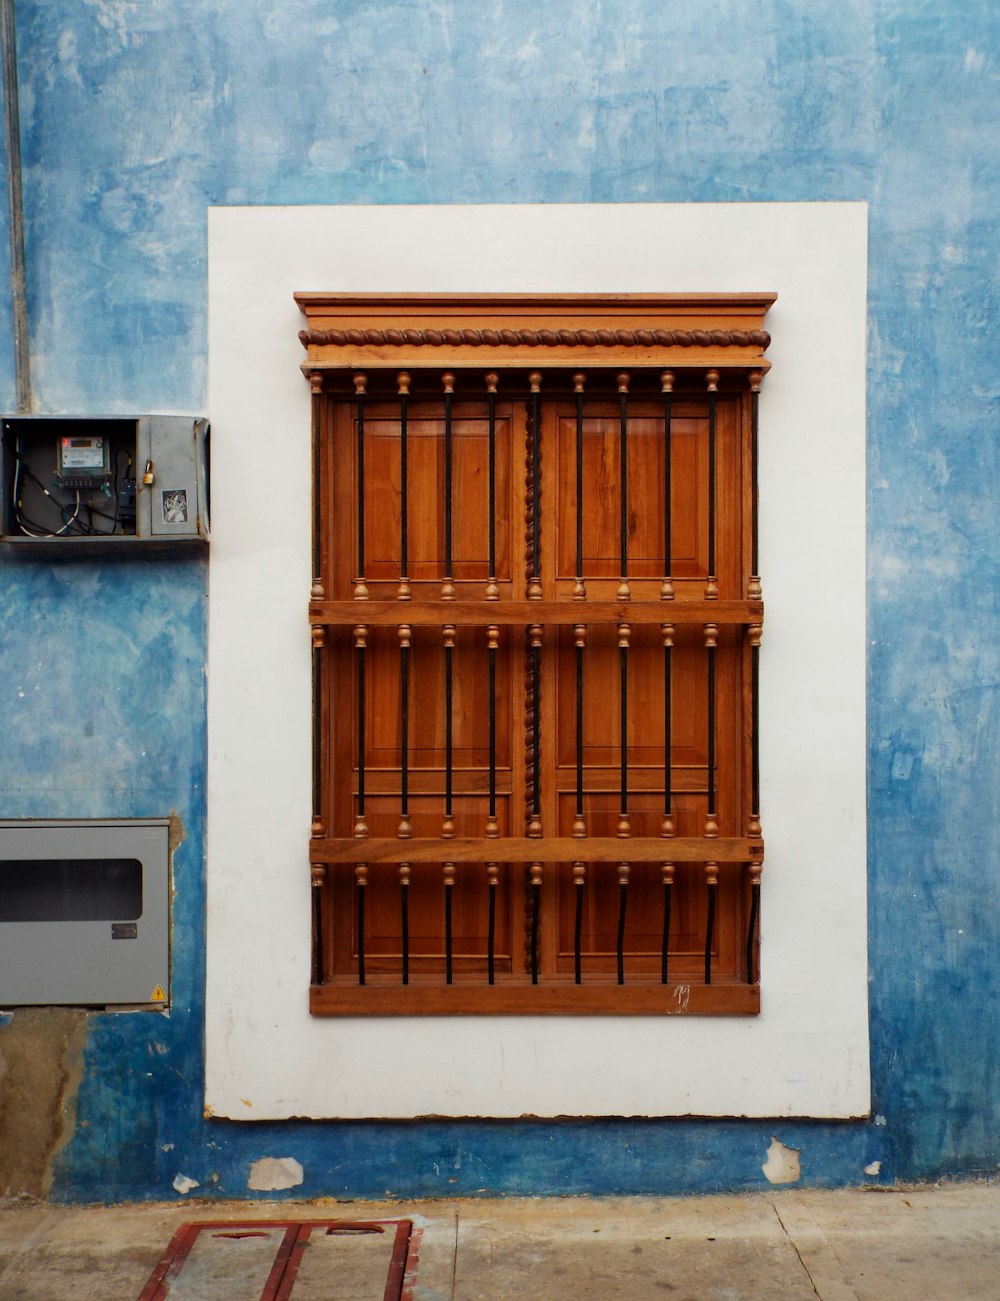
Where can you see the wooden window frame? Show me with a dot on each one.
(712, 344)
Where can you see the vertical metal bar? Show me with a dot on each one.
(361, 882)
(492, 587)
(712, 884)
(318, 641)
(317, 591)
(667, 826)
(579, 877)
(15, 209)
(493, 641)
(405, 827)
(448, 825)
(623, 875)
(535, 580)
(580, 633)
(360, 643)
(754, 914)
(404, 917)
(624, 592)
(579, 590)
(318, 877)
(448, 585)
(535, 822)
(754, 632)
(624, 633)
(711, 819)
(667, 586)
(667, 632)
(536, 903)
(711, 585)
(492, 876)
(403, 383)
(449, 884)
(668, 889)
(360, 388)
(753, 587)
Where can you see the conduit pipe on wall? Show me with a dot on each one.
(15, 203)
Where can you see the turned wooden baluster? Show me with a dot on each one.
(360, 388)
(404, 592)
(755, 873)
(711, 584)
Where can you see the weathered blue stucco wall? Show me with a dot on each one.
(136, 116)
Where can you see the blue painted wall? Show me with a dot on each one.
(136, 116)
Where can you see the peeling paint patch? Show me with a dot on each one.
(782, 1165)
(873, 1168)
(271, 1174)
(182, 1184)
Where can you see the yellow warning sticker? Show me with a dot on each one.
(158, 996)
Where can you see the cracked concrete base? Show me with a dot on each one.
(923, 1244)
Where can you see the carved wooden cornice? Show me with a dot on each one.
(720, 330)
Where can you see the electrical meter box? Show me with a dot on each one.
(110, 480)
(84, 913)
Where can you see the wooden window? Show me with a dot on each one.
(536, 616)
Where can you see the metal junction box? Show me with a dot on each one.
(84, 912)
(77, 481)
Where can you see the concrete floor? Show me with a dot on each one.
(920, 1244)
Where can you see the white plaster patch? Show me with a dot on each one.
(873, 1168)
(182, 1184)
(975, 60)
(271, 1174)
(782, 1165)
(812, 489)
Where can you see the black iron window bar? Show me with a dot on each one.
(535, 632)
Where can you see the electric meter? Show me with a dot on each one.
(83, 461)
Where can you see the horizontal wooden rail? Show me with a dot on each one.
(595, 997)
(524, 849)
(504, 613)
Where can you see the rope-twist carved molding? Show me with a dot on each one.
(538, 338)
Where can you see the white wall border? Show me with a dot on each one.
(807, 1053)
